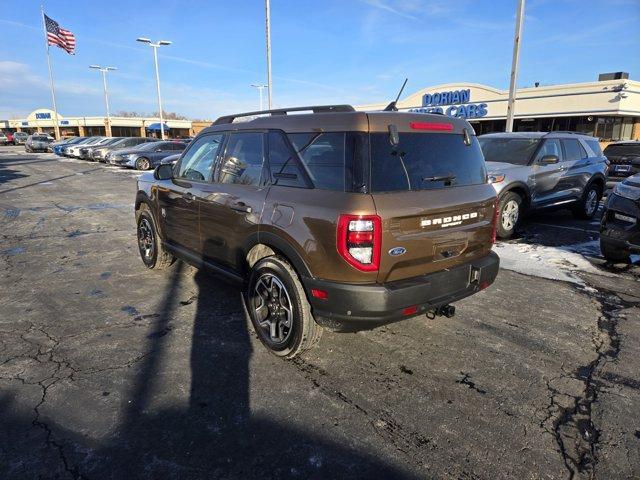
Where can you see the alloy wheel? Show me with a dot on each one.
(592, 202)
(510, 214)
(273, 308)
(146, 240)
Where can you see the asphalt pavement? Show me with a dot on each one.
(109, 370)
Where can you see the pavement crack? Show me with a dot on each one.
(570, 414)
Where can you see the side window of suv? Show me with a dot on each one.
(323, 154)
(197, 162)
(243, 159)
(282, 163)
(573, 150)
(550, 147)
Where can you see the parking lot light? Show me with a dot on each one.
(104, 71)
(155, 60)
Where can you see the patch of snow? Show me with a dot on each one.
(555, 263)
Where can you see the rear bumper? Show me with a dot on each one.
(359, 305)
(617, 233)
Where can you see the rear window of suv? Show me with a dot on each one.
(622, 149)
(423, 161)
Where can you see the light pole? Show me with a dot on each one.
(155, 59)
(104, 71)
(260, 88)
(514, 66)
(267, 8)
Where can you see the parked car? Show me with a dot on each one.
(4, 140)
(146, 156)
(535, 170)
(74, 149)
(86, 151)
(58, 146)
(62, 141)
(334, 218)
(37, 143)
(20, 138)
(99, 153)
(624, 158)
(620, 226)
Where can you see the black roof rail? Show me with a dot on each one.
(284, 111)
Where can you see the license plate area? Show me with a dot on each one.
(622, 168)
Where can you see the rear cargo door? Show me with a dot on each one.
(436, 206)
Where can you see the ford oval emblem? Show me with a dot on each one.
(397, 251)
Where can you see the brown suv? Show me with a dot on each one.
(332, 218)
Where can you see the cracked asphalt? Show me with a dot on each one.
(108, 370)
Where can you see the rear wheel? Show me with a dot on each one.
(509, 214)
(277, 306)
(143, 163)
(151, 251)
(587, 207)
(615, 255)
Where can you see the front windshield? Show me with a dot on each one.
(517, 151)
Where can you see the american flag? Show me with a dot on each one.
(56, 35)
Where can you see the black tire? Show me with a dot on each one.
(152, 253)
(586, 209)
(143, 163)
(296, 332)
(615, 255)
(509, 219)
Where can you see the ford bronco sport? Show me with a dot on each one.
(333, 218)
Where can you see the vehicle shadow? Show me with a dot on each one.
(215, 434)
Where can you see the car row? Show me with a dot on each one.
(13, 138)
(133, 152)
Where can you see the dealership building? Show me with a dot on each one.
(608, 109)
(42, 121)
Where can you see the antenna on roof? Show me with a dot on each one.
(392, 106)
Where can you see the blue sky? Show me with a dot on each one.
(329, 51)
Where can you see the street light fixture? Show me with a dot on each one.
(104, 71)
(155, 60)
(260, 88)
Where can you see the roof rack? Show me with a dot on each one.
(566, 131)
(284, 111)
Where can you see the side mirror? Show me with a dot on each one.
(163, 172)
(549, 160)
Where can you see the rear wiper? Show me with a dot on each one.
(439, 178)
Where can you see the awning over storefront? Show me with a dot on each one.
(155, 127)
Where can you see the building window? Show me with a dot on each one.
(614, 128)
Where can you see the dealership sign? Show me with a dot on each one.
(43, 116)
(455, 104)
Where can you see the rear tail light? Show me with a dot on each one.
(359, 239)
(496, 215)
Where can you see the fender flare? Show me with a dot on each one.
(512, 186)
(279, 244)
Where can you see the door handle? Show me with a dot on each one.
(241, 207)
(188, 197)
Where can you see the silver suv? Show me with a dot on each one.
(534, 170)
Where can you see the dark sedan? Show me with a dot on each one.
(146, 156)
(620, 227)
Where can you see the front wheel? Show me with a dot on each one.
(277, 306)
(587, 207)
(143, 163)
(151, 251)
(509, 214)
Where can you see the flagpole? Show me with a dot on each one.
(56, 125)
